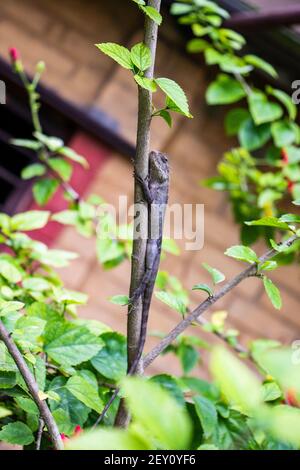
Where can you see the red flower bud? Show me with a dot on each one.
(14, 54)
(64, 438)
(290, 186)
(78, 430)
(291, 397)
(284, 156)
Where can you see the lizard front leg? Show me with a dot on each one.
(143, 182)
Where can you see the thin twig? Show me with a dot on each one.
(239, 348)
(186, 322)
(141, 166)
(193, 316)
(32, 387)
(39, 434)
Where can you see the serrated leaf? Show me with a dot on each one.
(141, 56)
(111, 360)
(224, 90)
(269, 222)
(153, 14)
(31, 171)
(16, 433)
(172, 301)
(10, 306)
(283, 133)
(147, 83)
(207, 414)
(273, 293)
(85, 392)
(262, 110)
(216, 275)
(242, 253)
(175, 93)
(271, 391)
(118, 53)
(31, 220)
(73, 346)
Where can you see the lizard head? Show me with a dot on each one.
(158, 167)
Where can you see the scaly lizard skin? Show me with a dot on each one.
(156, 191)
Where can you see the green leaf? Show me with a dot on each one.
(283, 423)
(238, 384)
(283, 133)
(153, 14)
(273, 293)
(147, 83)
(290, 218)
(4, 412)
(175, 93)
(31, 171)
(188, 356)
(118, 53)
(7, 379)
(44, 189)
(111, 360)
(263, 110)
(120, 300)
(141, 56)
(271, 392)
(31, 220)
(10, 306)
(261, 64)
(38, 284)
(242, 253)
(234, 120)
(16, 433)
(53, 143)
(203, 287)
(60, 166)
(216, 275)
(107, 439)
(224, 90)
(27, 405)
(180, 8)
(171, 385)
(285, 99)
(297, 203)
(253, 137)
(85, 392)
(73, 346)
(166, 117)
(208, 416)
(75, 410)
(172, 301)
(162, 417)
(74, 156)
(268, 266)
(197, 45)
(10, 272)
(28, 144)
(269, 222)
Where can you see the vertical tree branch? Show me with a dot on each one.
(141, 165)
(32, 387)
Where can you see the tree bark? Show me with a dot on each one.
(141, 165)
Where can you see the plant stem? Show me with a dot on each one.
(141, 165)
(32, 387)
(192, 317)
